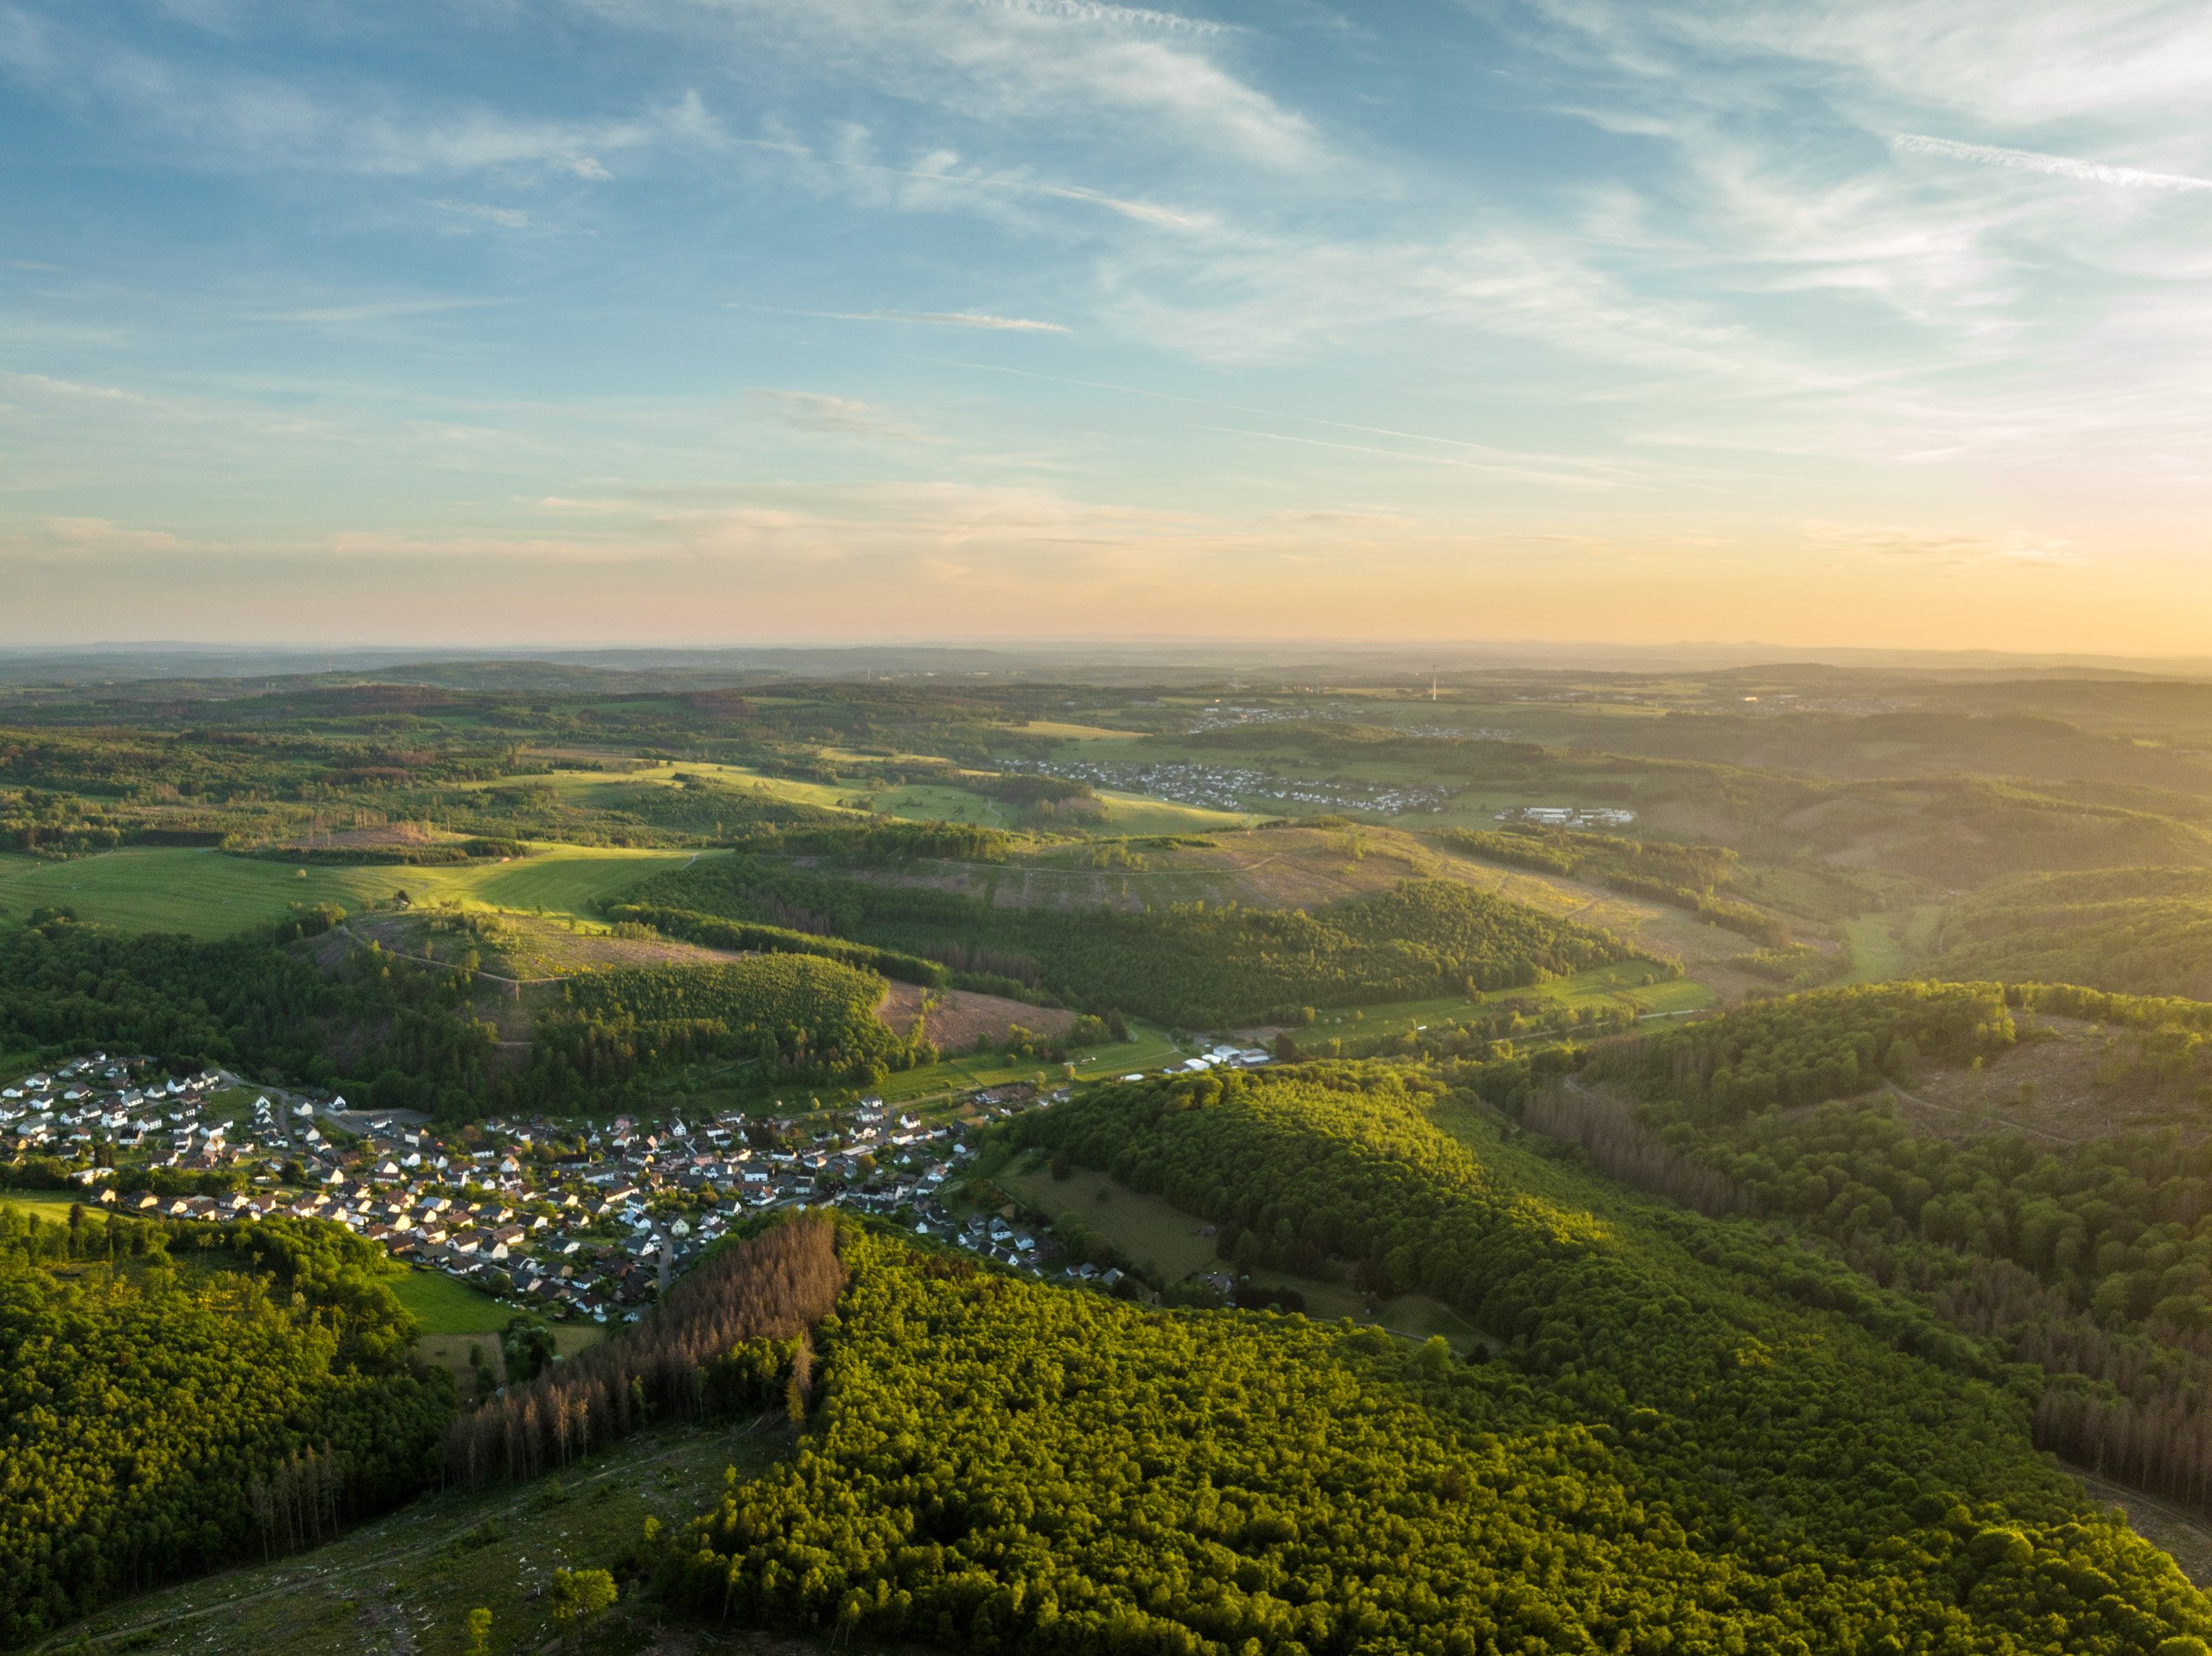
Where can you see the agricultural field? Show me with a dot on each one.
(956, 1019)
(1142, 1228)
(205, 893)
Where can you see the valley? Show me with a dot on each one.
(1687, 1147)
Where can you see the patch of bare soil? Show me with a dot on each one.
(2069, 1078)
(956, 1019)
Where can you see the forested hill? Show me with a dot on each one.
(1185, 964)
(411, 1036)
(1673, 1461)
(2145, 931)
(2092, 1261)
(160, 1417)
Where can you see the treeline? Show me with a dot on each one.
(710, 932)
(245, 1002)
(2146, 931)
(161, 1416)
(881, 840)
(1682, 876)
(997, 1465)
(2092, 1261)
(1802, 1049)
(730, 1336)
(405, 1036)
(443, 854)
(1189, 963)
(797, 1015)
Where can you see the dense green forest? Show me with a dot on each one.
(182, 1398)
(797, 1015)
(993, 1464)
(1189, 963)
(2136, 931)
(248, 1001)
(2093, 1262)
(411, 1036)
(1685, 876)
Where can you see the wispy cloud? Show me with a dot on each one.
(839, 417)
(2031, 161)
(1087, 11)
(1897, 542)
(480, 212)
(217, 113)
(374, 310)
(1151, 77)
(943, 168)
(926, 318)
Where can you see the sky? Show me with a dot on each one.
(696, 321)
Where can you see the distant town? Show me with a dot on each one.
(1230, 788)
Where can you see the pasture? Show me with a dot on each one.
(1150, 1049)
(206, 894)
(442, 1305)
(1141, 1227)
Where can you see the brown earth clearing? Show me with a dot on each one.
(955, 1019)
(2067, 1080)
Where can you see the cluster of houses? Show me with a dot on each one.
(1225, 717)
(160, 1121)
(587, 1223)
(1229, 788)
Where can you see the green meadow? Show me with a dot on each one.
(442, 1305)
(205, 893)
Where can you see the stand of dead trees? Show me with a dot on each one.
(1625, 1148)
(771, 1289)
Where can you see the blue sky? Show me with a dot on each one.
(723, 319)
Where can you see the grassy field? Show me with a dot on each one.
(1136, 814)
(1623, 985)
(1147, 1229)
(444, 1306)
(1150, 1049)
(206, 894)
(1887, 944)
(1143, 1227)
(406, 1582)
(52, 1205)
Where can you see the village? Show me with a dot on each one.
(574, 1222)
(1229, 788)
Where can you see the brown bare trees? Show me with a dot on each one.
(772, 1288)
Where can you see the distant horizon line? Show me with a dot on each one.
(1030, 645)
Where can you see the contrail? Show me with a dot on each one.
(2029, 160)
